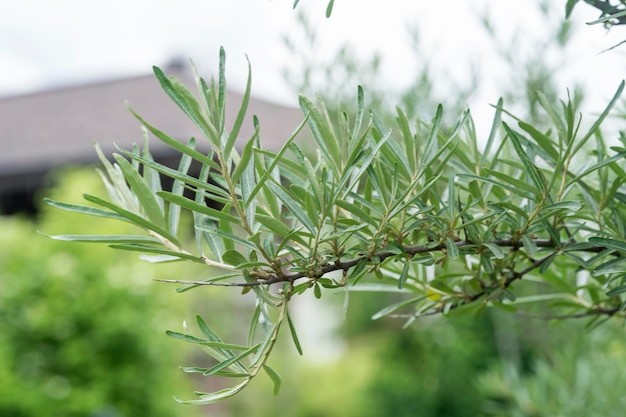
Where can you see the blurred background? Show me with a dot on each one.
(82, 326)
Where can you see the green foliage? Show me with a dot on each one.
(530, 218)
(78, 325)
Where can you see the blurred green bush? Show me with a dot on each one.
(82, 327)
(582, 375)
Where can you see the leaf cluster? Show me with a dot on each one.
(454, 223)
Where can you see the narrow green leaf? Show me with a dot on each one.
(569, 7)
(91, 211)
(601, 164)
(529, 245)
(495, 250)
(579, 246)
(215, 245)
(227, 374)
(185, 337)
(451, 196)
(495, 128)
(486, 263)
(274, 376)
(610, 267)
(514, 189)
(226, 231)
(515, 208)
(173, 143)
(178, 188)
(408, 138)
(294, 208)
(217, 278)
(317, 290)
(323, 134)
(346, 301)
(246, 155)
(303, 194)
(365, 163)
(197, 208)
(277, 158)
(137, 247)
(399, 154)
(132, 217)
(160, 259)
(106, 238)
(103, 159)
(430, 147)
(265, 346)
(217, 193)
(211, 398)
(616, 291)
(357, 211)
(226, 236)
(231, 361)
(247, 184)
(294, 334)
(609, 16)
(563, 205)
(378, 288)
(150, 176)
(279, 228)
(452, 248)
(206, 330)
(234, 258)
(529, 165)
(542, 140)
(552, 113)
(254, 321)
(426, 259)
(145, 196)
(192, 369)
(115, 183)
(357, 137)
(221, 101)
(329, 8)
(609, 243)
(187, 103)
(234, 133)
(394, 307)
(204, 92)
(404, 275)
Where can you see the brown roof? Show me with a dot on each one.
(41, 131)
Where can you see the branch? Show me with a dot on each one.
(607, 9)
(591, 312)
(270, 278)
(534, 265)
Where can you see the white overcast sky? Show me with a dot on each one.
(46, 44)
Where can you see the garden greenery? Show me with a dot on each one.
(453, 222)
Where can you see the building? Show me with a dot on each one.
(46, 130)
